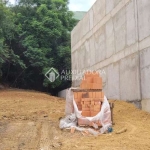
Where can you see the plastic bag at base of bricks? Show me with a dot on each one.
(70, 122)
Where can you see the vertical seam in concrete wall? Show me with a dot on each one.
(114, 35)
(89, 23)
(137, 18)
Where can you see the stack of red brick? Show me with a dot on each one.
(91, 81)
(90, 102)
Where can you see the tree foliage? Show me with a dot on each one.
(35, 36)
(7, 28)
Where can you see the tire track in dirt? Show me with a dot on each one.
(10, 137)
(28, 138)
(46, 137)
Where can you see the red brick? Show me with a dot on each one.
(85, 95)
(95, 74)
(97, 101)
(90, 94)
(75, 95)
(88, 86)
(86, 101)
(94, 95)
(94, 113)
(97, 107)
(91, 85)
(97, 80)
(86, 113)
(89, 79)
(77, 100)
(92, 102)
(85, 107)
(72, 129)
(79, 105)
(97, 86)
(98, 94)
(91, 107)
(102, 99)
(80, 95)
(83, 84)
(87, 74)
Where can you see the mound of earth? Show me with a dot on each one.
(30, 121)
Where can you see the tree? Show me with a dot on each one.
(41, 40)
(6, 35)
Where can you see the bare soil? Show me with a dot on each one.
(30, 121)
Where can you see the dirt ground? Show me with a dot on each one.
(30, 121)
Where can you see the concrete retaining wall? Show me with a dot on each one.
(114, 36)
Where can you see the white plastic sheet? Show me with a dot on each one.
(69, 109)
(68, 121)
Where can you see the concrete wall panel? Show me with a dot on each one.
(85, 25)
(116, 2)
(120, 30)
(145, 82)
(110, 39)
(120, 38)
(129, 78)
(131, 23)
(113, 81)
(98, 11)
(145, 58)
(74, 60)
(145, 73)
(143, 18)
(82, 56)
(87, 53)
(76, 34)
(91, 18)
(109, 5)
(92, 51)
(119, 19)
(100, 45)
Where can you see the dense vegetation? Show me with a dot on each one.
(35, 36)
